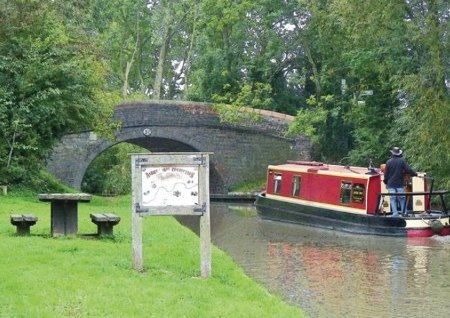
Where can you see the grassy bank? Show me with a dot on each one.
(82, 276)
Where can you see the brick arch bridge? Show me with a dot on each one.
(241, 151)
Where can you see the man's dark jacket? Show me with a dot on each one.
(395, 168)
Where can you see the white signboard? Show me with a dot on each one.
(366, 93)
(170, 185)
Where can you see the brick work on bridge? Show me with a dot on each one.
(241, 151)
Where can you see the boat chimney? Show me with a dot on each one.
(371, 168)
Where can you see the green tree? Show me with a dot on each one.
(353, 49)
(51, 83)
(376, 55)
(425, 120)
(125, 32)
(110, 173)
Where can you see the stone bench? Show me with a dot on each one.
(23, 222)
(105, 222)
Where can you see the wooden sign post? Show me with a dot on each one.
(171, 184)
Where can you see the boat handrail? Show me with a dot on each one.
(412, 193)
(440, 193)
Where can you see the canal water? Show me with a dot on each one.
(334, 274)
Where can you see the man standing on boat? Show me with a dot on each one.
(396, 167)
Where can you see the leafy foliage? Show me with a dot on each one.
(236, 109)
(110, 173)
(427, 90)
(360, 77)
(50, 84)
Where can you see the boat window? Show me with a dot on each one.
(358, 193)
(296, 183)
(346, 188)
(277, 183)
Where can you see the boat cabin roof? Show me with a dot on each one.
(326, 169)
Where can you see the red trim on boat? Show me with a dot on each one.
(426, 232)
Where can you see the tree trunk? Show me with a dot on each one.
(131, 61)
(11, 146)
(162, 55)
(187, 66)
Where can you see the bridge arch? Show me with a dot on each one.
(241, 151)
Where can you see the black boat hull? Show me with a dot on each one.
(283, 211)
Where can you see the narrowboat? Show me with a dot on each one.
(350, 199)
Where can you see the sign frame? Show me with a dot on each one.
(163, 174)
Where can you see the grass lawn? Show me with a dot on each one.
(42, 276)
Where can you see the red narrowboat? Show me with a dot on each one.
(351, 199)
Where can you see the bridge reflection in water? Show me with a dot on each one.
(334, 274)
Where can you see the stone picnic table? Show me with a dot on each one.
(64, 211)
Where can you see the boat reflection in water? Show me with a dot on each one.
(334, 274)
(345, 276)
